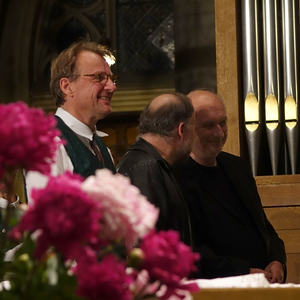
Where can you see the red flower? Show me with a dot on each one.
(105, 280)
(28, 138)
(168, 260)
(64, 215)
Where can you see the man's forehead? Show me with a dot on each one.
(211, 107)
(88, 59)
(204, 98)
(211, 113)
(87, 54)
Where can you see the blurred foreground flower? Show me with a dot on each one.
(169, 261)
(104, 280)
(27, 138)
(64, 215)
(69, 223)
(126, 212)
(28, 142)
(76, 239)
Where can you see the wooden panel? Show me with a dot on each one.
(293, 268)
(123, 100)
(111, 139)
(291, 240)
(135, 100)
(278, 179)
(284, 217)
(132, 133)
(248, 294)
(281, 190)
(286, 221)
(227, 68)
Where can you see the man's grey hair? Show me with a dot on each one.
(165, 118)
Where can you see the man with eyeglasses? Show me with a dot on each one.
(82, 85)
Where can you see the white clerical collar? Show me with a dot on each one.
(76, 125)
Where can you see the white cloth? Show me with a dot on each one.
(62, 162)
(257, 280)
(249, 280)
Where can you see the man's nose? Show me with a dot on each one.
(110, 85)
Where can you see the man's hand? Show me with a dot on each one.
(274, 272)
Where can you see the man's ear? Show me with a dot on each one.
(180, 129)
(65, 86)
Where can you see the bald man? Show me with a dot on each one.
(230, 228)
(166, 129)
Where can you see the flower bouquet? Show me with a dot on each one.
(87, 239)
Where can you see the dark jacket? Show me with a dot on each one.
(216, 242)
(153, 176)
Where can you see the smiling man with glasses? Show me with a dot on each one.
(82, 85)
(101, 77)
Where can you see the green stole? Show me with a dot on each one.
(84, 161)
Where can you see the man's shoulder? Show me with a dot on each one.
(137, 158)
(234, 163)
(141, 150)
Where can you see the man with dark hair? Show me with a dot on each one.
(82, 85)
(166, 129)
(230, 228)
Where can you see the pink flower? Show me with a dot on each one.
(168, 260)
(27, 138)
(64, 215)
(126, 212)
(105, 280)
(142, 285)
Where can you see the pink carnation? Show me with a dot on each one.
(27, 138)
(105, 280)
(64, 215)
(126, 212)
(168, 260)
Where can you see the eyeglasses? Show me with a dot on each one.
(100, 77)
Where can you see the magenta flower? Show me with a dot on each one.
(27, 138)
(64, 216)
(105, 280)
(126, 214)
(142, 287)
(168, 260)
